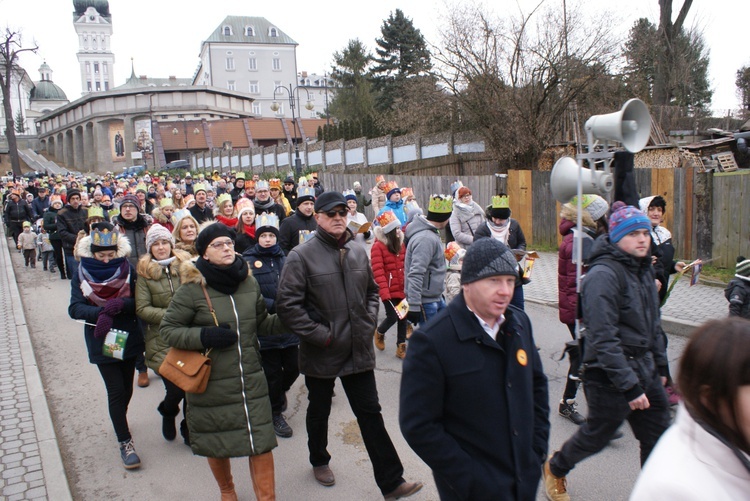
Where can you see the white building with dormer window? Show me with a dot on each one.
(253, 56)
(93, 24)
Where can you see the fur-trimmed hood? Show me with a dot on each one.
(83, 247)
(150, 269)
(190, 274)
(380, 235)
(570, 213)
(159, 217)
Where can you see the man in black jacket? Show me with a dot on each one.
(70, 220)
(474, 401)
(624, 356)
(41, 203)
(301, 223)
(15, 212)
(264, 203)
(201, 211)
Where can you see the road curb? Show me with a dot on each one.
(55, 481)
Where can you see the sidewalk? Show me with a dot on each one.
(30, 463)
(686, 308)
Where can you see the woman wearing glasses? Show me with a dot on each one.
(232, 418)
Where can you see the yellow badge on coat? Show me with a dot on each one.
(522, 358)
(258, 264)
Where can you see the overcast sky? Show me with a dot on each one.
(163, 37)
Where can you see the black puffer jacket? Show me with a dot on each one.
(69, 222)
(622, 346)
(328, 297)
(266, 265)
(290, 228)
(17, 211)
(738, 295)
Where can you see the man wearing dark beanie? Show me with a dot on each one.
(425, 262)
(473, 402)
(623, 350)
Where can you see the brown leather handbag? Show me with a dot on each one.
(189, 369)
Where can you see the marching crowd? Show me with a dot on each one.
(271, 279)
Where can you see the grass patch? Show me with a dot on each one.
(715, 273)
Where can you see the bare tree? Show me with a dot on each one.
(10, 47)
(667, 55)
(514, 78)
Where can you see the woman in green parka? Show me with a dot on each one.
(232, 418)
(158, 279)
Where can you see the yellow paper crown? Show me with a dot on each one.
(104, 238)
(388, 221)
(95, 211)
(500, 202)
(241, 175)
(441, 204)
(391, 185)
(198, 187)
(224, 197)
(274, 183)
(141, 187)
(166, 202)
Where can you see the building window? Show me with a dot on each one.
(96, 68)
(273, 32)
(230, 64)
(256, 109)
(180, 116)
(252, 64)
(88, 85)
(106, 85)
(254, 88)
(249, 31)
(227, 30)
(104, 68)
(164, 117)
(196, 115)
(98, 86)
(231, 85)
(276, 64)
(88, 68)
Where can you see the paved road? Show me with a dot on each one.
(78, 404)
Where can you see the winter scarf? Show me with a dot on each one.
(263, 205)
(500, 231)
(102, 281)
(231, 222)
(225, 279)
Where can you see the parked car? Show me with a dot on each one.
(132, 171)
(177, 165)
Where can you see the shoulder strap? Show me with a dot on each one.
(613, 265)
(210, 306)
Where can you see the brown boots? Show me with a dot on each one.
(401, 350)
(261, 472)
(379, 340)
(222, 470)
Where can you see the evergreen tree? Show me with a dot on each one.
(402, 53)
(743, 86)
(20, 122)
(354, 96)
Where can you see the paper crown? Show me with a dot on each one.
(113, 212)
(305, 191)
(441, 204)
(199, 187)
(379, 179)
(410, 206)
(241, 175)
(262, 185)
(500, 202)
(266, 220)
(166, 202)
(302, 181)
(249, 184)
(390, 186)
(407, 192)
(26, 224)
(456, 185)
(275, 183)
(141, 187)
(451, 250)
(309, 177)
(223, 198)
(387, 221)
(243, 203)
(104, 238)
(55, 199)
(95, 211)
(349, 194)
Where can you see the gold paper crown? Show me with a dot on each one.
(309, 177)
(242, 203)
(241, 175)
(441, 204)
(305, 191)
(224, 197)
(113, 212)
(379, 179)
(451, 250)
(391, 185)
(274, 183)
(388, 221)
(104, 238)
(140, 187)
(262, 185)
(166, 202)
(249, 184)
(95, 211)
(266, 219)
(198, 187)
(407, 192)
(500, 202)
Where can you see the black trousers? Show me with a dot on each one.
(363, 399)
(173, 396)
(571, 385)
(281, 366)
(29, 257)
(15, 229)
(607, 411)
(118, 379)
(391, 317)
(59, 257)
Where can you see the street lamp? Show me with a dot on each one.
(275, 106)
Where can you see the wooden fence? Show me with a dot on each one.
(707, 213)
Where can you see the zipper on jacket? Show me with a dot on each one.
(242, 377)
(169, 278)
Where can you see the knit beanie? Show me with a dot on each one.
(131, 199)
(158, 232)
(73, 192)
(743, 267)
(595, 205)
(210, 233)
(486, 258)
(626, 220)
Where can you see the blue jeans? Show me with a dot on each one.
(432, 309)
(71, 265)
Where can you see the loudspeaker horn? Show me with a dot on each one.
(630, 126)
(564, 180)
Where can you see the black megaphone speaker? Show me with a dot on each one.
(630, 126)
(564, 180)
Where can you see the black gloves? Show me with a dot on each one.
(414, 317)
(113, 306)
(218, 337)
